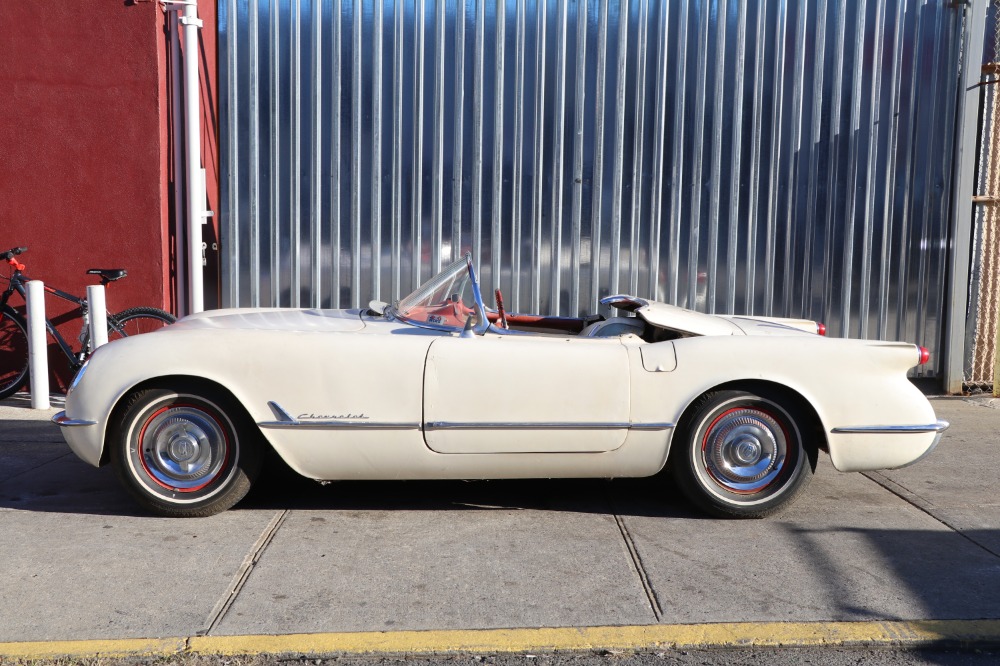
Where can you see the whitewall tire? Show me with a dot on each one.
(742, 454)
(185, 452)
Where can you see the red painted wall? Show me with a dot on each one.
(84, 147)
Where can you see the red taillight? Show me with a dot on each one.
(925, 355)
(820, 328)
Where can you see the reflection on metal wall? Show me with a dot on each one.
(763, 157)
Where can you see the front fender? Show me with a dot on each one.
(115, 369)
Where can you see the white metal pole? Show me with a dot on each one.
(192, 134)
(177, 112)
(38, 353)
(98, 316)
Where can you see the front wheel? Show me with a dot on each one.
(13, 352)
(741, 454)
(188, 452)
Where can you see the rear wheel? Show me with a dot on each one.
(13, 352)
(136, 321)
(185, 453)
(741, 454)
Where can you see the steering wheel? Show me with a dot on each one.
(500, 311)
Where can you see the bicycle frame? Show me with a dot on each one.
(75, 359)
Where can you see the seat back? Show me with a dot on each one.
(614, 326)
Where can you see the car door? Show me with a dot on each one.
(525, 394)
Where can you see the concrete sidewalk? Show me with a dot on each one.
(903, 557)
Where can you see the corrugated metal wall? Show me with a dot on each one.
(776, 158)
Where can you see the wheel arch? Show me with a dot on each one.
(816, 433)
(168, 381)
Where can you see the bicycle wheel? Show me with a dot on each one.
(136, 321)
(13, 352)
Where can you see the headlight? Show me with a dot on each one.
(77, 377)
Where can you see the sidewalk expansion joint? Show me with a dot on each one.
(633, 551)
(980, 634)
(38, 466)
(923, 505)
(241, 577)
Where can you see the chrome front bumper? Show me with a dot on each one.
(64, 421)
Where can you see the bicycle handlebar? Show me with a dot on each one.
(10, 254)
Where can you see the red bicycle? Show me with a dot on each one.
(14, 329)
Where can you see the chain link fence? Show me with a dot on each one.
(981, 368)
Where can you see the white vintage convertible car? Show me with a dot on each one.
(438, 386)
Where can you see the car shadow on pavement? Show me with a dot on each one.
(38, 472)
(283, 489)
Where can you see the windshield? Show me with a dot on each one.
(444, 301)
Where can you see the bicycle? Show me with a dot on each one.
(14, 328)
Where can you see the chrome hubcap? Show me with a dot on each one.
(744, 450)
(183, 448)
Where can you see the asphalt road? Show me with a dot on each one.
(829, 656)
(752, 657)
(907, 557)
(718, 657)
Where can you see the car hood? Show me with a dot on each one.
(273, 319)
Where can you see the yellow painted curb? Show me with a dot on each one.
(642, 637)
(153, 647)
(766, 634)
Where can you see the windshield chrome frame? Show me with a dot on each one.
(483, 324)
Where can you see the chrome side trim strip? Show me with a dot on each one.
(280, 412)
(451, 425)
(330, 425)
(286, 420)
(64, 421)
(652, 426)
(940, 426)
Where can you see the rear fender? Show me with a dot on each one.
(846, 382)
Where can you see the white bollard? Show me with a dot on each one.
(190, 24)
(98, 316)
(38, 353)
